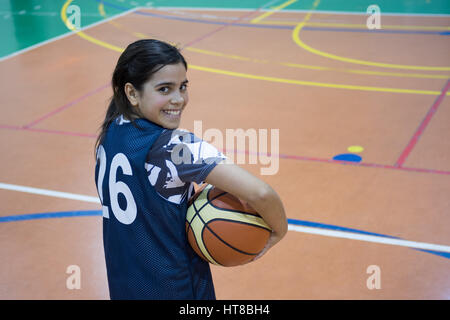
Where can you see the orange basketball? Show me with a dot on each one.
(223, 229)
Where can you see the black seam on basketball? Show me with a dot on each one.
(205, 225)
(207, 202)
(206, 248)
(196, 241)
(226, 243)
(230, 210)
(218, 196)
(196, 212)
(236, 211)
(234, 221)
(210, 201)
(241, 222)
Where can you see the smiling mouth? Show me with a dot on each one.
(172, 112)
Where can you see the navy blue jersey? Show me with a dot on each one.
(144, 178)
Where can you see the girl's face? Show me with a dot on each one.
(163, 97)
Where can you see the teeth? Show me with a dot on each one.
(172, 112)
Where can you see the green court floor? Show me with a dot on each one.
(24, 23)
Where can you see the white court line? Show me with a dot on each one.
(369, 238)
(43, 13)
(49, 193)
(69, 33)
(291, 227)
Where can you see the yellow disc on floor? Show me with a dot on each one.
(355, 149)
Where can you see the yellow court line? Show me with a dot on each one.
(80, 33)
(286, 64)
(315, 84)
(101, 10)
(300, 43)
(367, 72)
(250, 76)
(275, 9)
(217, 54)
(320, 68)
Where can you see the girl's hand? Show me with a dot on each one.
(274, 239)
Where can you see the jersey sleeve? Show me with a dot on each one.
(178, 158)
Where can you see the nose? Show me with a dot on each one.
(177, 98)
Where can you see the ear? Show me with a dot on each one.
(132, 94)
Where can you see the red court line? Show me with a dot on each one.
(282, 156)
(412, 143)
(64, 107)
(365, 164)
(224, 26)
(350, 163)
(67, 133)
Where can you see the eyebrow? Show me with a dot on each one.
(170, 83)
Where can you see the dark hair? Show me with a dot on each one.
(136, 65)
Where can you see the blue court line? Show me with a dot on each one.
(311, 224)
(50, 215)
(344, 229)
(90, 213)
(248, 25)
(374, 30)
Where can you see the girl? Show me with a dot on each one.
(144, 193)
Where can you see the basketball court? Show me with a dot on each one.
(363, 119)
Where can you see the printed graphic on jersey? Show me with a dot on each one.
(176, 159)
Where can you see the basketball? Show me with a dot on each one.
(223, 229)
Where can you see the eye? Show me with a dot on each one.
(164, 89)
(184, 87)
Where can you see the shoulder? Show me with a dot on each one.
(172, 137)
(176, 159)
(185, 146)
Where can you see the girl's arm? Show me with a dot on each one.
(240, 183)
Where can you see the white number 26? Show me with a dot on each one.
(128, 215)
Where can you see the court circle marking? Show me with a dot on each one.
(250, 76)
(300, 43)
(139, 35)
